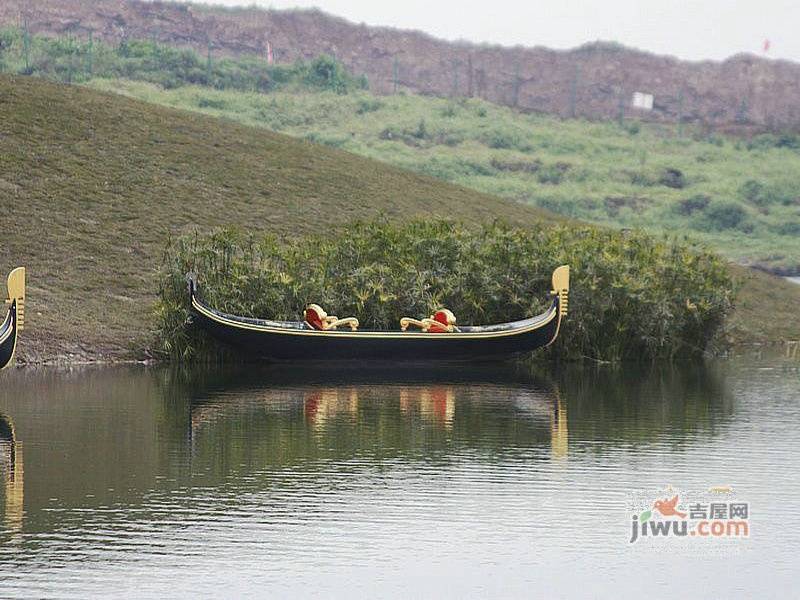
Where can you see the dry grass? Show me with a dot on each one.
(767, 308)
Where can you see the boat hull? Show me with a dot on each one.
(8, 336)
(275, 341)
(259, 342)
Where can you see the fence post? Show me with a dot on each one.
(455, 64)
(516, 84)
(573, 93)
(209, 64)
(621, 115)
(26, 47)
(70, 58)
(90, 55)
(395, 69)
(680, 113)
(470, 88)
(122, 48)
(155, 52)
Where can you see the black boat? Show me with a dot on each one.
(439, 339)
(15, 317)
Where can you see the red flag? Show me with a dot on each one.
(767, 44)
(270, 56)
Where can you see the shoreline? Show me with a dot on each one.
(64, 361)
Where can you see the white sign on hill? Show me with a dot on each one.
(643, 101)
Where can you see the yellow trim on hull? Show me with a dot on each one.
(13, 329)
(549, 316)
(8, 325)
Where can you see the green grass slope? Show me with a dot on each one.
(742, 197)
(92, 185)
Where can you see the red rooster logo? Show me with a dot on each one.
(668, 508)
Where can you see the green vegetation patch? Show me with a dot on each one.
(77, 60)
(632, 296)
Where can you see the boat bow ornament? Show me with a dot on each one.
(15, 317)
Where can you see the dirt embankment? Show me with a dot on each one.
(596, 81)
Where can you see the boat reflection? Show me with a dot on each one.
(375, 413)
(320, 405)
(559, 431)
(435, 403)
(12, 474)
(438, 403)
(121, 435)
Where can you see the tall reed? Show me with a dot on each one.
(632, 296)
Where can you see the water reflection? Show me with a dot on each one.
(320, 471)
(12, 474)
(641, 403)
(100, 434)
(309, 416)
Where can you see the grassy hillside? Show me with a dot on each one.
(93, 184)
(742, 197)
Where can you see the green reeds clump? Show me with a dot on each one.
(632, 296)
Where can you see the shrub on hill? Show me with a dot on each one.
(74, 60)
(632, 296)
(763, 194)
(696, 203)
(720, 215)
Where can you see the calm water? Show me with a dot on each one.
(477, 483)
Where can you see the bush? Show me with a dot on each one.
(368, 105)
(788, 228)
(505, 140)
(722, 215)
(633, 127)
(516, 166)
(326, 73)
(642, 178)
(753, 191)
(672, 178)
(215, 103)
(766, 141)
(449, 138)
(552, 174)
(614, 204)
(421, 132)
(449, 111)
(696, 203)
(763, 195)
(633, 297)
(570, 207)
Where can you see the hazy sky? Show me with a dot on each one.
(689, 29)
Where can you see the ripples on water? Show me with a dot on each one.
(484, 482)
